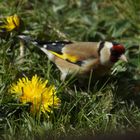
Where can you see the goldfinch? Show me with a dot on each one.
(81, 57)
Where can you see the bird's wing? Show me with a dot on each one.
(72, 52)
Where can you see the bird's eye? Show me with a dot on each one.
(115, 53)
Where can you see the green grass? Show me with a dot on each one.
(105, 106)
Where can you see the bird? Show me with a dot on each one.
(80, 58)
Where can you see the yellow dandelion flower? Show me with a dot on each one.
(11, 23)
(36, 92)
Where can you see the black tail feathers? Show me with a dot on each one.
(55, 46)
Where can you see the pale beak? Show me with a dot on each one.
(123, 58)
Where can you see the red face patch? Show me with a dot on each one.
(116, 51)
(119, 48)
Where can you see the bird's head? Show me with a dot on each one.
(117, 52)
(111, 52)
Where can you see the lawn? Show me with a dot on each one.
(109, 105)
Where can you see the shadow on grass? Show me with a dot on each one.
(127, 136)
(125, 86)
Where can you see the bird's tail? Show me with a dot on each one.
(41, 45)
(27, 39)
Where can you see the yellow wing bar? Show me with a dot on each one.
(68, 57)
